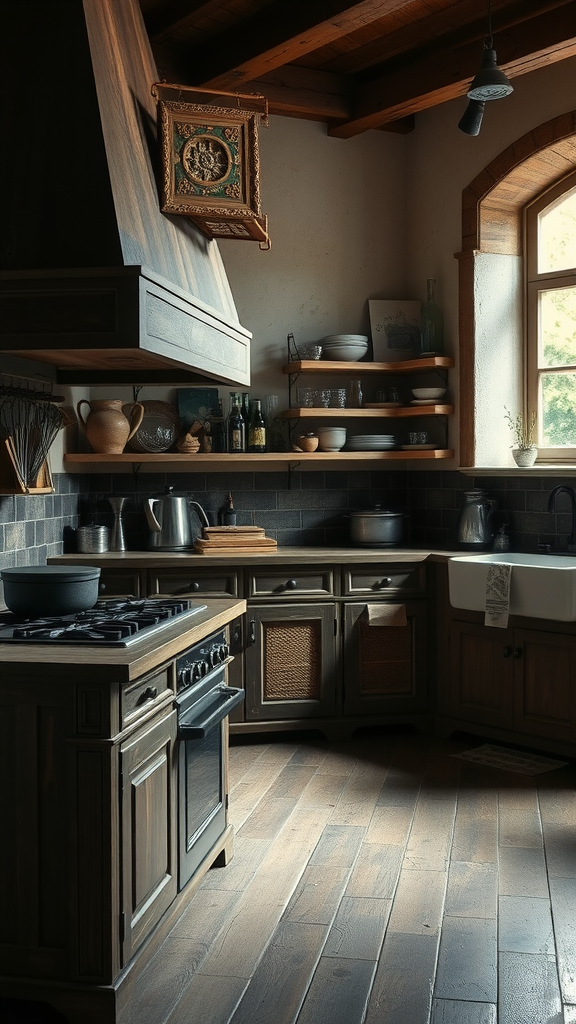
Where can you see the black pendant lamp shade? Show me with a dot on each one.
(490, 83)
(471, 120)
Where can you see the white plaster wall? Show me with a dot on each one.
(370, 217)
(337, 220)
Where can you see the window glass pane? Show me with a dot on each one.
(557, 235)
(557, 327)
(558, 409)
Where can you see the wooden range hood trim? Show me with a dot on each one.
(108, 320)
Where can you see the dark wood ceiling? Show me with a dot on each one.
(354, 66)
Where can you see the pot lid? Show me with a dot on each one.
(51, 573)
(378, 512)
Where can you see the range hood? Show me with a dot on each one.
(94, 279)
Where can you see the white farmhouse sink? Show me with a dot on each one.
(541, 586)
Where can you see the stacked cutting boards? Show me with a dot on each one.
(240, 540)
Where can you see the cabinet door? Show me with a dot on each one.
(290, 661)
(149, 850)
(481, 670)
(545, 684)
(385, 667)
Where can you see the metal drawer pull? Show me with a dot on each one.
(252, 633)
(384, 583)
(194, 586)
(290, 585)
(148, 694)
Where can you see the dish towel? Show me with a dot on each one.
(386, 614)
(498, 595)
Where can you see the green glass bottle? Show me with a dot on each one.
(256, 428)
(432, 323)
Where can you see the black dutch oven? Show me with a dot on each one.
(377, 527)
(49, 590)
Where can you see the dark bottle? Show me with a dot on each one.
(236, 426)
(228, 512)
(432, 322)
(257, 428)
(245, 406)
(218, 429)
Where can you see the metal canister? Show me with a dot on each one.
(92, 539)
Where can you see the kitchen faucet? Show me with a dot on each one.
(571, 546)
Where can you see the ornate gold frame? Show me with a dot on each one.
(211, 169)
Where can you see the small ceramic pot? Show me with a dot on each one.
(524, 457)
(308, 443)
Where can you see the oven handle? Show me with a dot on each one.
(226, 698)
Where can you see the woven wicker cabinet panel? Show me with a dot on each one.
(291, 661)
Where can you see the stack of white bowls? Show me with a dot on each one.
(347, 348)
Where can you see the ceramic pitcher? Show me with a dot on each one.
(106, 426)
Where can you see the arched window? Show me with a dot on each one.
(550, 234)
(493, 311)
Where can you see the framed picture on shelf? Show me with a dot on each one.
(196, 404)
(395, 328)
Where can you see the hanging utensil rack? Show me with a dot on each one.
(29, 423)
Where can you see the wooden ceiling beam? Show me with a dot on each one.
(445, 75)
(279, 34)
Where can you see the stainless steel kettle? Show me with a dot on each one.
(168, 517)
(476, 525)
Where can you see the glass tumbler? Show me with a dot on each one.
(355, 395)
(338, 398)
(306, 398)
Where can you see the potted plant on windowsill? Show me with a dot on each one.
(524, 451)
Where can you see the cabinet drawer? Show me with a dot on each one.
(291, 581)
(198, 582)
(386, 579)
(120, 583)
(140, 697)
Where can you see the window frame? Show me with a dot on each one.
(534, 283)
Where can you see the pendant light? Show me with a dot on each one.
(489, 84)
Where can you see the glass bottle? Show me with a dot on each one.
(217, 425)
(256, 428)
(432, 323)
(236, 427)
(245, 406)
(355, 394)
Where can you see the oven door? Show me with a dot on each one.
(202, 761)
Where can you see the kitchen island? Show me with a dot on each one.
(92, 812)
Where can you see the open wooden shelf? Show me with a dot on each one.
(359, 368)
(316, 412)
(253, 462)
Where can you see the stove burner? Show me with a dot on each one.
(115, 623)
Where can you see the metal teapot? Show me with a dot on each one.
(168, 517)
(476, 525)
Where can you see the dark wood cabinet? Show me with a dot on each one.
(385, 668)
(518, 681)
(148, 795)
(291, 661)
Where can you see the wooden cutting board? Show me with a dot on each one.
(203, 548)
(253, 542)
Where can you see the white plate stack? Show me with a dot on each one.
(370, 442)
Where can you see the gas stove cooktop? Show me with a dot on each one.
(112, 623)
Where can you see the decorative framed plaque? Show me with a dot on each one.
(211, 170)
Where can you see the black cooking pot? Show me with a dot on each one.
(46, 590)
(377, 527)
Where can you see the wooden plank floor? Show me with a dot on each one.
(379, 880)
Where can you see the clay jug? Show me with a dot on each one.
(106, 426)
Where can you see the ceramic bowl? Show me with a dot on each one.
(345, 353)
(331, 439)
(432, 393)
(338, 339)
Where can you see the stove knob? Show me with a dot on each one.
(184, 677)
(204, 668)
(196, 673)
(224, 652)
(214, 657)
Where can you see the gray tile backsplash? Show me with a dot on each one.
(307, 509)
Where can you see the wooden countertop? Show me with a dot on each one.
(286, 556)
(123, 663)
